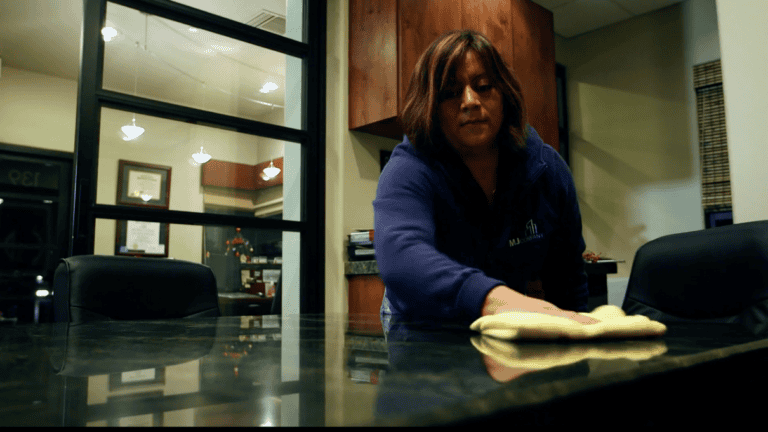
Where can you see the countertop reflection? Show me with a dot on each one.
(309, 370)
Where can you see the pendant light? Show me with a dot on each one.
(201, 157)
(271, 171)
(132, 131)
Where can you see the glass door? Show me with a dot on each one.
(200, 136)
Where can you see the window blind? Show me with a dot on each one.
(713, 145)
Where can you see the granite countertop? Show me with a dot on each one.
(353, 268)
(309, 371)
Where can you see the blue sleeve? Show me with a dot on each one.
(566, 273)
(420, 280)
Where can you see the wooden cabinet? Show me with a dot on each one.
(386, 38)
(365, 295)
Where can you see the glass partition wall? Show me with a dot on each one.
(200, 136)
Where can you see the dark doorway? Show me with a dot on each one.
(34, 212)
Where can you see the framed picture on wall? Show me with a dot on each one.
(118, 381)
(143, 184)
(141, 239)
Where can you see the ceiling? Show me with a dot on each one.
(576, 17)
(44, 36)
(151, 56)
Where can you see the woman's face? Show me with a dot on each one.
(471, 109)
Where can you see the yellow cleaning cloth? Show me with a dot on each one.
(543, 356)
(614, 323)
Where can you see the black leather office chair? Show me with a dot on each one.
(107, 347)
(99, 288)
(715, 275)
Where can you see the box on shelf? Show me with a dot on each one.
(360, 254)
(361, 236)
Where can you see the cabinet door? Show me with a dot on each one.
(492, 18)
(534, 65)
(388, 37)
(372, 63)
(421, 22)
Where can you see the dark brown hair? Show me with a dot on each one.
(434, 72)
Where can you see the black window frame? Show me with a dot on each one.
(92, 98)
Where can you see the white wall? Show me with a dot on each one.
(37, 110)
(634, 131)
(352, 174)
(743, 28)
(634, 137)
(352, 161)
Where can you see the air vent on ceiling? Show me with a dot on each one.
(269, 21)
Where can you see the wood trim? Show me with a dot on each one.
(389, 128)
(239, 176)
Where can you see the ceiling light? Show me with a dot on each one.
(108, 33)
(268, 87)
(201, 157)
(1, 200)
(271, 171)
(132, 131)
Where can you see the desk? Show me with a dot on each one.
(238, 303)
(308, 371)
(597, 280)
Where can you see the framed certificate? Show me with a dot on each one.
(143, 184)
(136, 378)
(142, 239)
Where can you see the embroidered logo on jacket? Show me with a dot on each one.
(531, 233)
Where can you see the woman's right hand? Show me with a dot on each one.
(504, 299)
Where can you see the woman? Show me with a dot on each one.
(474, 214)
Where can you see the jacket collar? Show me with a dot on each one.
(454, 171)
(532, 157)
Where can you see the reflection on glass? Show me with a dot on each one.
(164, 60)
(237, 177)
(248, 263)
(282, 17)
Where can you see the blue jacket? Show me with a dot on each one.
(441, 247)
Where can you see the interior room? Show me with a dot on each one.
(258, 153)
